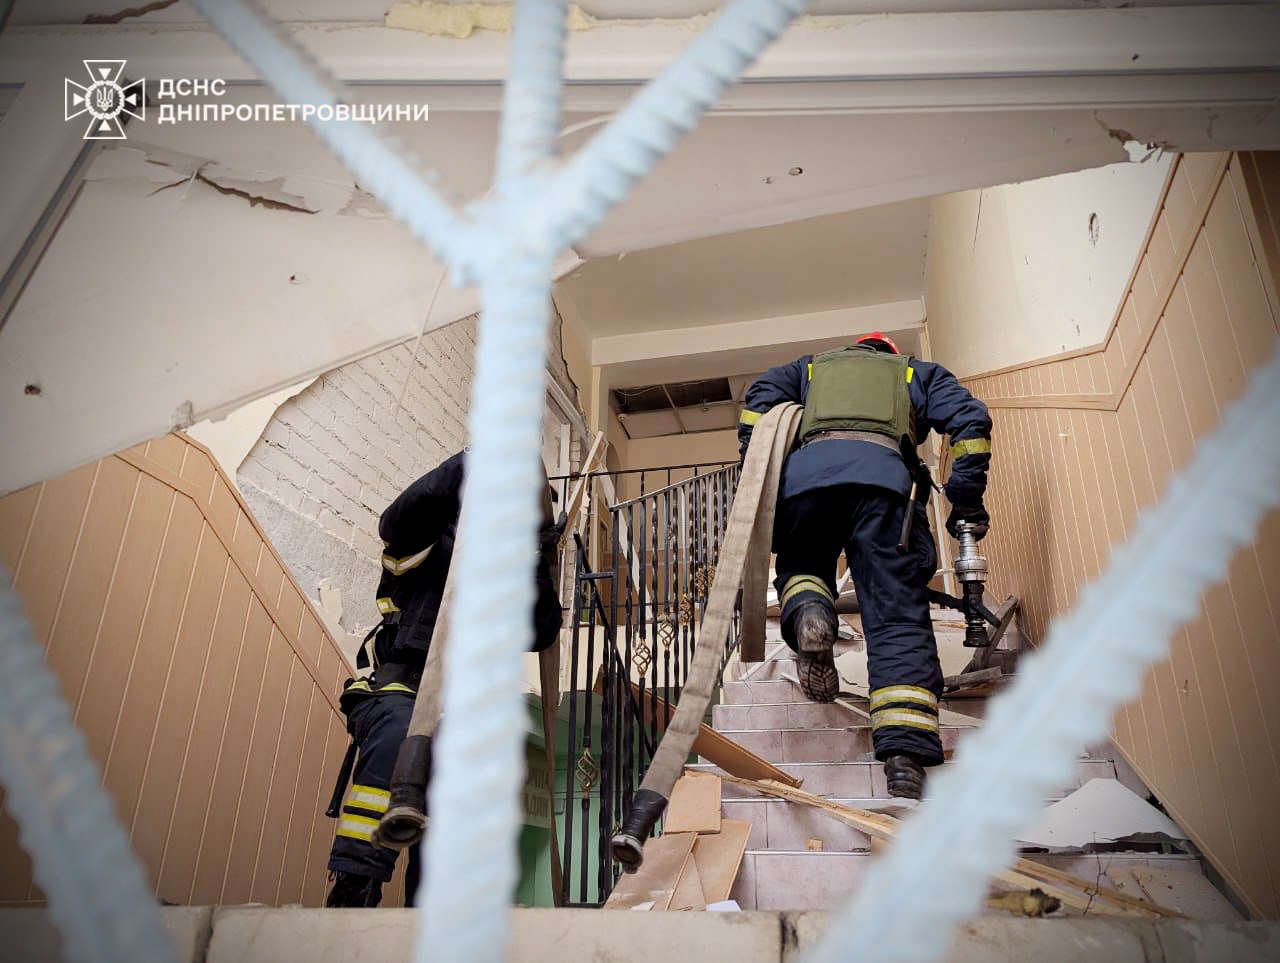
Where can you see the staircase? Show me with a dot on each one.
(799, 859)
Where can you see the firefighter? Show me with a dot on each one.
(418, 530)
(846, 488)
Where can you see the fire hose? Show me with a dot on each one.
(744, 557)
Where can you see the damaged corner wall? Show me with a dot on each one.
(333, 458)
(1084, 442)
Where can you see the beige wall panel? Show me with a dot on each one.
(113, 657)
(309, 798)
(230, 775)
(1248, 309)
(198, 470)
(172, 723)
(50, 546)
(73, 635)
(168, 451)
(1224, 369)
(16, 512)
(1191, 373)
(200, 758)
(127, 762)
(1246, 768)
(160, 642)
(1201, 171)
(1115, 357)
(314, 879)
(1179, 210)
(1170, 405)
(278, 801)
(1143, 295)
(1204, 732)
(258, 765)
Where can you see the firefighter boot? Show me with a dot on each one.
(352, 889)
(904, 776)
(815, 629)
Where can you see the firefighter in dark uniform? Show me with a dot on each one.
(846, 487)
(418, 530)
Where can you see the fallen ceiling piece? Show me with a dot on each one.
(1100, 811)
(688, 891)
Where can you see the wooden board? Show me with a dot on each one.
(655, 882)
(715, 748)
(694, 805)
(718, 856)
(688, 893)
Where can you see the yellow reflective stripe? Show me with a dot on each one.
(903, 717)
(367, 797)
(398, 566)
(970, 446)
(810, 370)
(360, 685)
(902, 693)
(911, 373)
(357, 827)
(395, 687)
(804, 583)
(386, 606)
(749, 417)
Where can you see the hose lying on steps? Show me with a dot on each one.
(744, 551)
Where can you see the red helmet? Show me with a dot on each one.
(880, 341)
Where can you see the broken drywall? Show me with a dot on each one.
(461, 20)
(230, 439)
(1100, 811)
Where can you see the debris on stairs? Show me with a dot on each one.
(694, 863)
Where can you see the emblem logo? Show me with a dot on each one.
(105, 99)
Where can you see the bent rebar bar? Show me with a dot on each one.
(1064, 695)
(507, 243)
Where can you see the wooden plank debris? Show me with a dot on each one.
(718, 857)
(656, 880)
(967, 680)
(695, 804)
(1085, 895)
(688, 892)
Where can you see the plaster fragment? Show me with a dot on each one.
(461, 20)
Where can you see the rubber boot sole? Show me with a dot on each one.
(816, 663)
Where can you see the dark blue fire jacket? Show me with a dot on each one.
(941, 403)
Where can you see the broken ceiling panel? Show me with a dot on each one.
(1100, 811)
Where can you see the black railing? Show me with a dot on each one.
(633, 627)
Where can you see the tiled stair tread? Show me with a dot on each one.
(819, 745)
(795, 715)
(738, 694)
(865, 779)
(822, 880)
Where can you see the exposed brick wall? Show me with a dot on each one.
(333, 457)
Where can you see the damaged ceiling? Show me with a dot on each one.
(202, 265)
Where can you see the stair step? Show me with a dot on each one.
(822, 880)
(865, 779)
(818, 745)
(786, 692)
(801, 715)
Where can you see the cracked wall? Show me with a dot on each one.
(333, 457)
(1023, 271)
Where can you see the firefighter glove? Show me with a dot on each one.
(975, 515)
